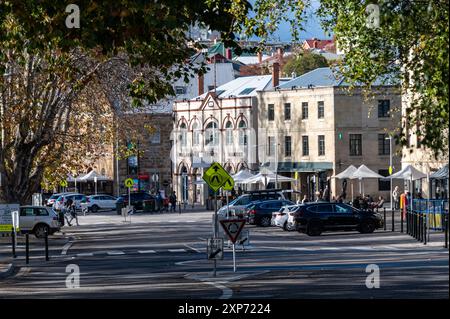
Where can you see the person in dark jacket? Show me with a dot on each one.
(173, 201)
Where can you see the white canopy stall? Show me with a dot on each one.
(347, 174)
(364, 172)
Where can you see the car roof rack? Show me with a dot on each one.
(264, 191)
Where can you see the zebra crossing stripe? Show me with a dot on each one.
(146, 251)
(112, 253)
(85, 255)
(177, 250)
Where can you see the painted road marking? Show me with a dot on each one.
(146, 251)
(113, 253)
(177, 250)
(85, 255)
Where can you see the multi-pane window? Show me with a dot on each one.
(321, 144)
(242, 133)
(271, 112)
(287, 146)
(304, 110)
(180, 90)
(320, 110)
(384, 185)
(195, 134)
(355, 144)
(270, 145)
(383, 108)
(383, 144)
(212, 134)
(183, 133)
(229, 133)
(287, 111)
(305, 145)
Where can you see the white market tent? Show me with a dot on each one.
(242, 176)
(266, 176)
(347, 173)
(409, 173)
(364, 172)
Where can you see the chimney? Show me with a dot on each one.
(315, 44)
(275, 74)
(201, 85)
(259, 57)
(228, 54)
(280, 52)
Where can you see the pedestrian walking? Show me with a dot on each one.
(396, 197)
(72, 210)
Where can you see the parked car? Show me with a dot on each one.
(280, 218)
(77, 198)
(38, 220)
(137, 199)
(94, 203)
(50, 201)
(260, 213)
(237, 206)
(315, 218)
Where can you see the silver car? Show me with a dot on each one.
(38, 220)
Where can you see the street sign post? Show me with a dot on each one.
(129, 183)
(7, 218)
(216, 177)
(214, 248)
(233, 228)
(63, 184)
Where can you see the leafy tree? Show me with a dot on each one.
(58, 84)
(303, 62)
(409, 39)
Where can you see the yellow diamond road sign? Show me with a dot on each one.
(63, 183)
(229, 184)
(216, 176)
(129, 182)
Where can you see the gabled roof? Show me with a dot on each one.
(320, 43)
(325, 77)
(246, 86)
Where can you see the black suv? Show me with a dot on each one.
(314, 218)
(137, 199)
(260, 213)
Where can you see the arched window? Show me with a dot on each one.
(211, 134)
(183, 137)
(229, 133)
(195, 134)
(242, 133)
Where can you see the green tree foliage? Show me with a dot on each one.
(53, 78)
(407, 38)
(303, 62)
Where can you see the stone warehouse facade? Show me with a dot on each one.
(313, 128)
(151, 169)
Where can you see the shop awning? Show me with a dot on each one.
(442, 173)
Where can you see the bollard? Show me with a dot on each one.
(13, 242)
(425, 229)
(46, 246)
(393, 222)
(401, 221)
(384, 217)
(446, 230)
(419, 237)
(407, 222)
(27, 249)
(179, 208)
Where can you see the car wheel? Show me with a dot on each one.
(265, 222)
(314, 228)
(40, 230)
(366, 227)
(290, 226)
(94, 208)
(285, 226)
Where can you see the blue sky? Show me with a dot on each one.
(312, 27)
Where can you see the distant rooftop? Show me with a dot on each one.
(325, 77)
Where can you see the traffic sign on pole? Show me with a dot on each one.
(229, 184)
(63, 183)
(233, 228)
(129, 182)
(216, 176)
(214, 248)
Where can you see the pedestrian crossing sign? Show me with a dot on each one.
(216, 177)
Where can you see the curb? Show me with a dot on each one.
(11, 268)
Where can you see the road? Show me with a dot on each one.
(164, 256)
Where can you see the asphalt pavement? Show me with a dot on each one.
(164, 256)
